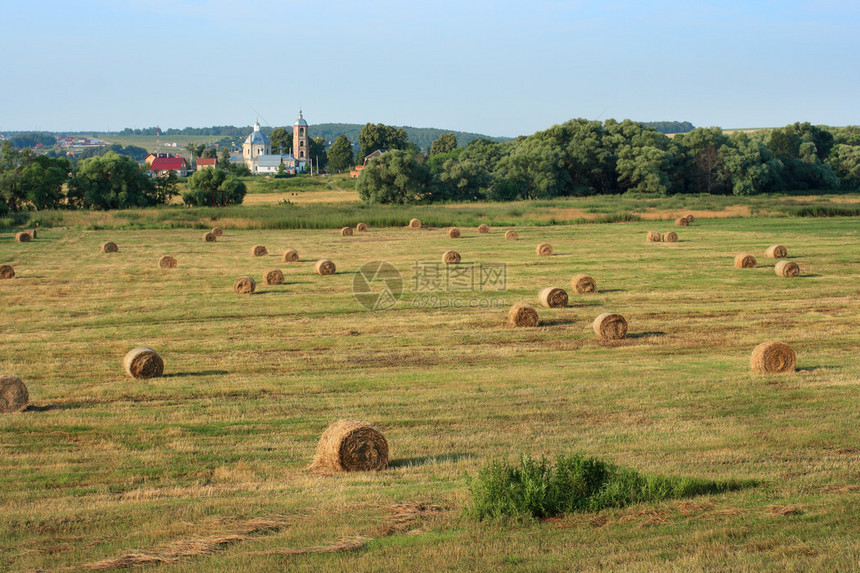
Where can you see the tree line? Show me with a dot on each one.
(581, 157)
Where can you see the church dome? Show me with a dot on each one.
(257, 137)
(301, 121)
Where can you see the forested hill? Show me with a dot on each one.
(670, 126)
(423, 137)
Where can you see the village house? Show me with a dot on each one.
(162, 166)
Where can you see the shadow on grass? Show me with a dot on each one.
(201, 373)
(557, 322)
(646, 334)
(64, 406)
(608, 290)
(816, 369)
(441, 458)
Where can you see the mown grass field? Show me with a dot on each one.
(206, 468)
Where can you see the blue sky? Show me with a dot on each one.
(496, 68)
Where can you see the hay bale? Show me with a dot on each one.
(291, 256)
(414, 224)
(583, 284)
(361, 227)
(451, 258)
(6, 272)
(351, 446)
(217, 231)
(610, 326)
(544, 249)
(773, 357)
(787, 269)
(110, 247)
(244, 285)
(346, 231)
(259, 251)
(209, 237)
(776, 252)
(273, 277)
(143, 363)
(23, 237)
(453, 233)
(690, 218)
(32, 233)
(670, 237)
(681, 222)
(325, 267)
(483, 229)
(553, 297)
(523, 315)
(167, 262)
(511, 235)
(655, 237)
(13, 394)
(744, 261)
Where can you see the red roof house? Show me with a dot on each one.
(161, 166)
(203, 162)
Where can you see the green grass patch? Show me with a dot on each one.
(574, 483)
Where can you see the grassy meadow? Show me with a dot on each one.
(206, 468)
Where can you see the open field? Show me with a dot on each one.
(206, 468)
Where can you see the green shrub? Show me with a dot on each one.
(574, 483)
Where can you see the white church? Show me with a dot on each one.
(257, 151)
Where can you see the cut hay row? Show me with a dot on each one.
(773, 358)
(544, 249)
(143, 363)
(553, 297)
(523, 315)
(6, 272)
(351, 445)
(13, 394)
(583, 284)
(609, 326)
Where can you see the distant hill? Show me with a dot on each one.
(423, 137)
(671, 126)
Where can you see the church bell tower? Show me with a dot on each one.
(301, 140)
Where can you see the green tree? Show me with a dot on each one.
(210, 153)
(704, 168)
(340, 154)
(196, 150)
(281, 140)
(463, 181)
(845, 162)
(445, 143)
(394, 177)
(213, 187)
(166, 187)
(381, 136)
(110, 181)
(317, 152)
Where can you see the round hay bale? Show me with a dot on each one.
(6, 272)
(744, 261)
(690, 218)
(346, 231)
(553, 297)
(451, 258)
(273, 277)
(483, 229)
(544, 249)
(167, 262)
(776, 252)
(259, 251)
(351, 446)
(523, 315)
(773, 358)
(23, 237)
(110, 247)
(655, 237)
(209, 237)
(414, 224)
(583, 284)
(670, 237)
(511, 235)
(143, 363)
(681, 222)
(217, 231)
(13, 394)
(291, 256)
(32, 233)
(610, 326)
(787, 269)
(244, 285)
(361, 227)
(453, 233)
(325, 267)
